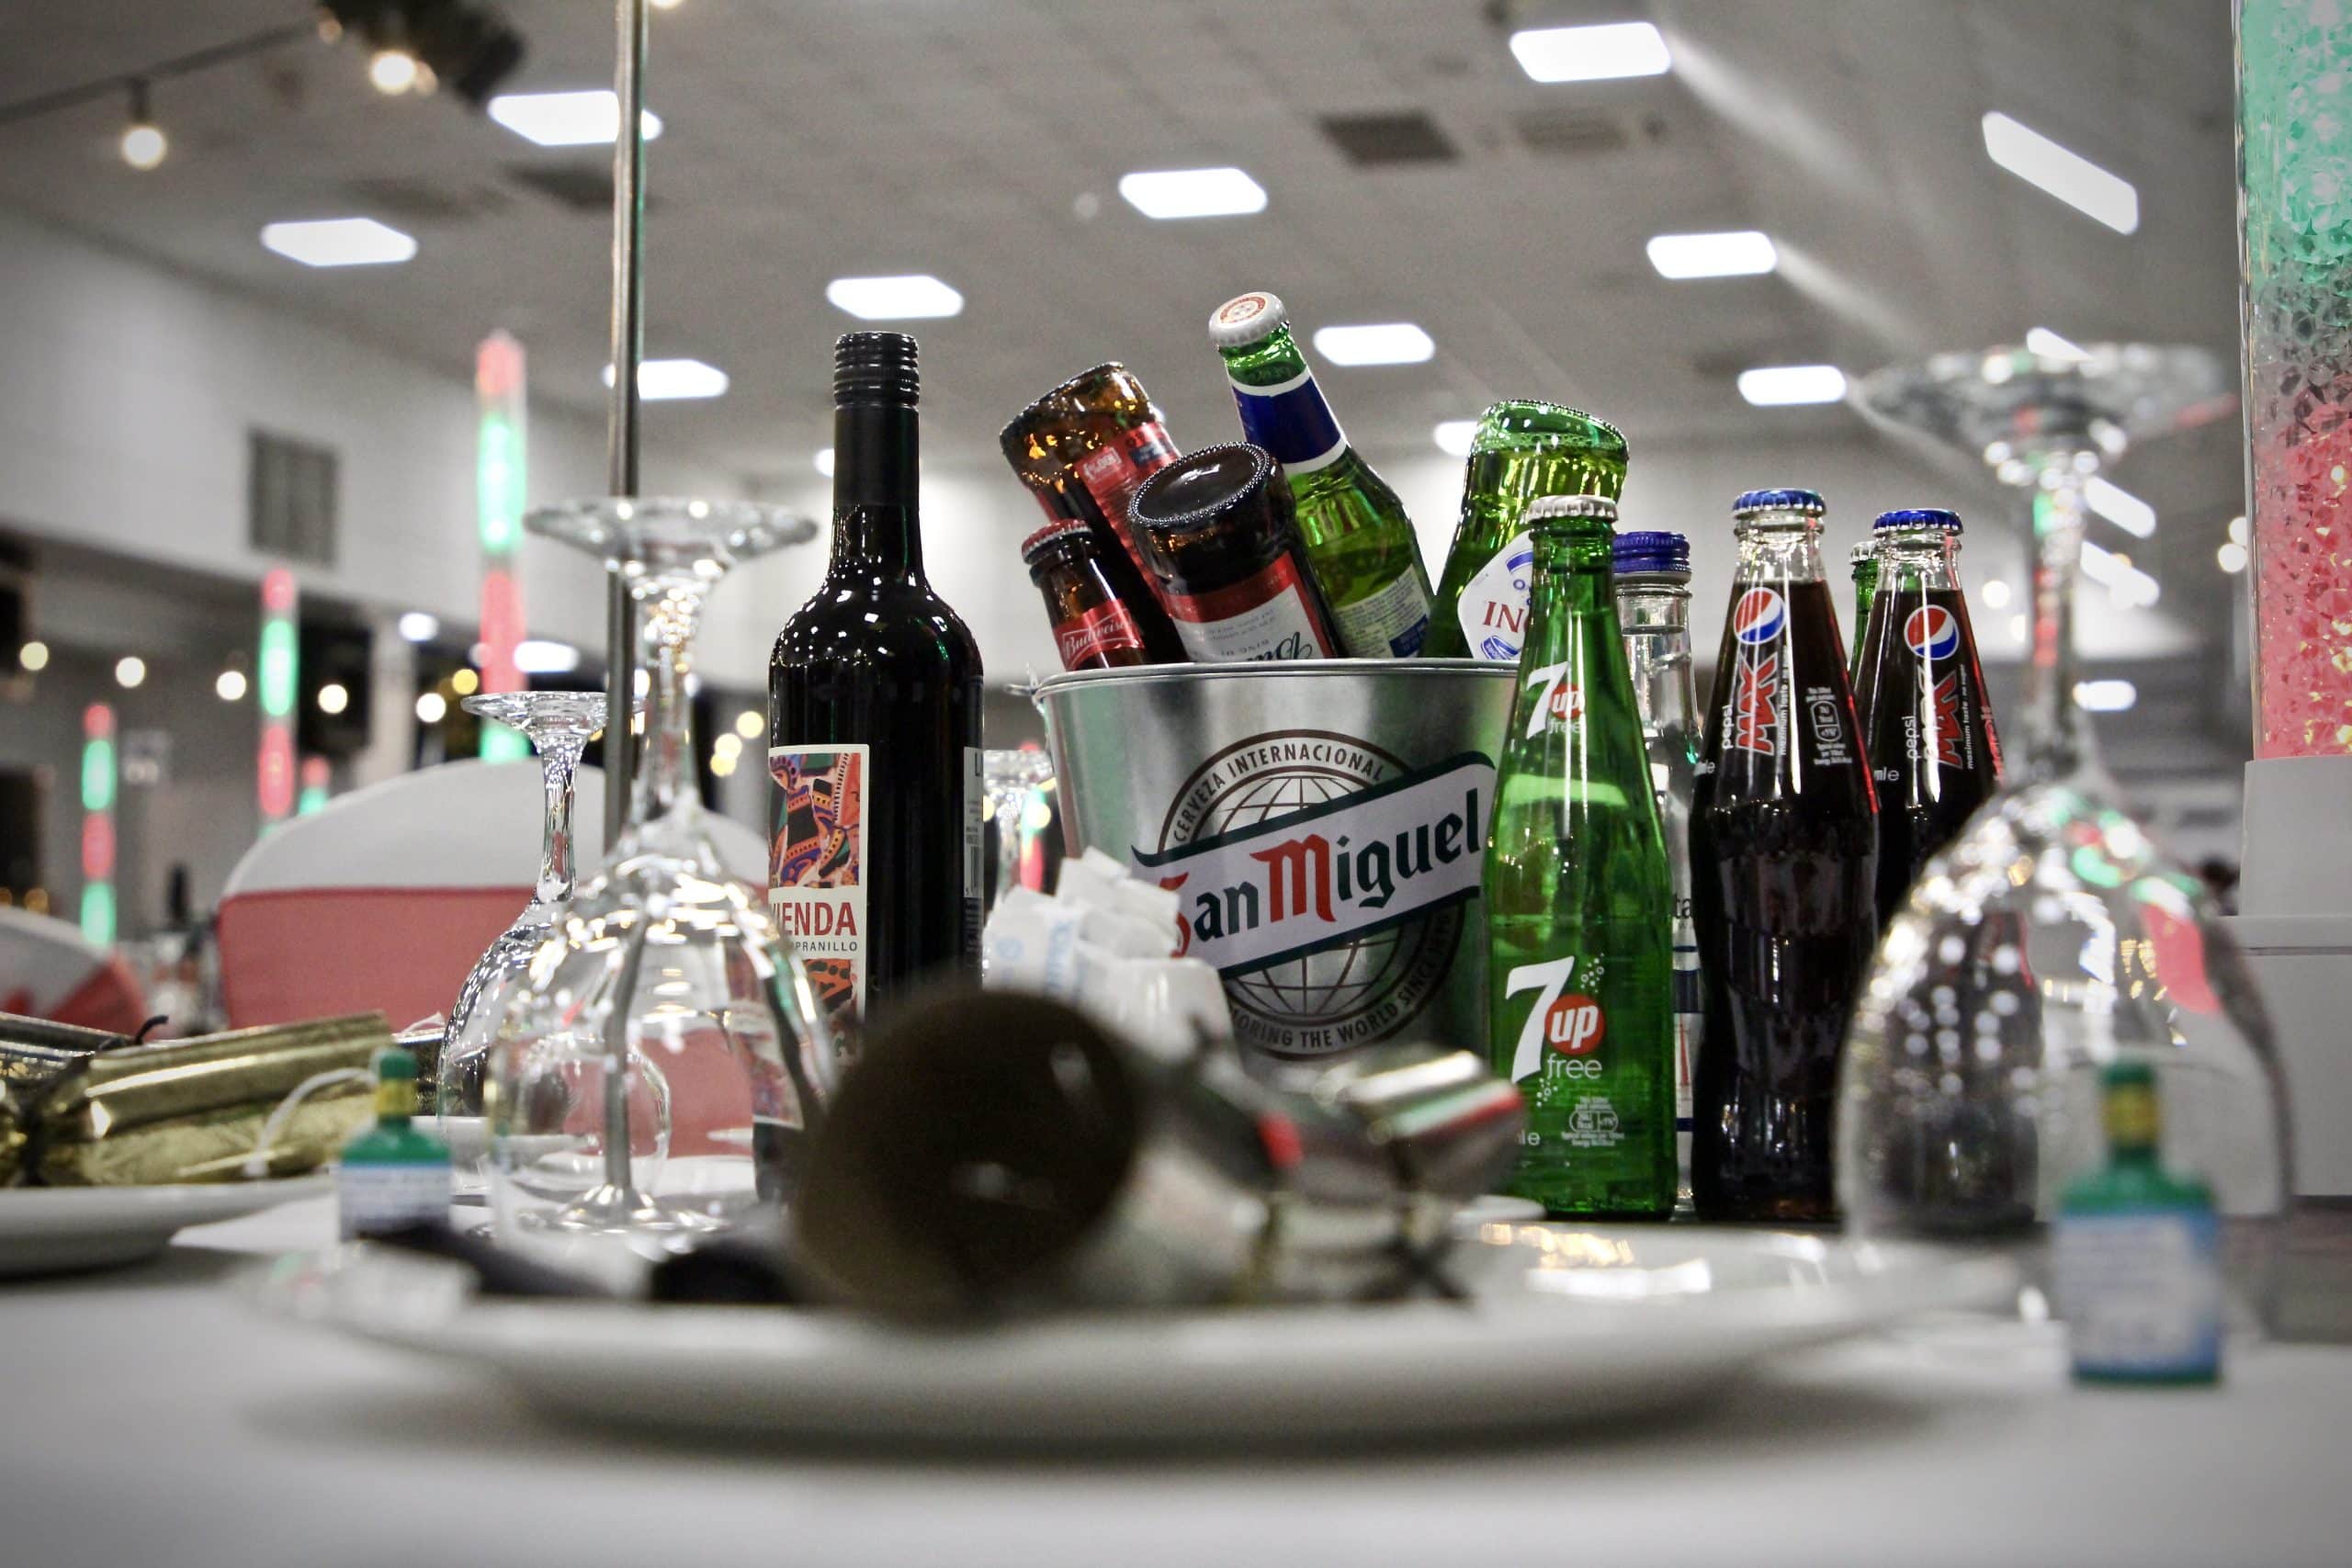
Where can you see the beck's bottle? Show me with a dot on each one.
(1925, 725)
(1520, 451)
(1358, 539)
(1578, 895)
(1784, 862)
(873, 723)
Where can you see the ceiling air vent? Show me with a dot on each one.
(422, 201)
(1552, 133)
(583, 187)
(291, 498)
(1373, 141)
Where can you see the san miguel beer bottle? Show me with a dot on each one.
(1095, 628)
(1579, 895)
(1784, 862)
(1217, 530)
(873, 723)
(1358, 539)
(1521, 450)
(1925, 725)
(1083, 449)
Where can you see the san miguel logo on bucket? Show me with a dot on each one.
(1325, 881)
(1758, 619)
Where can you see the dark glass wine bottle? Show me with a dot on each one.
(873, 723)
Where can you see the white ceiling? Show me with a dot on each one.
(982, 140)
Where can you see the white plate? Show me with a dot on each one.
(1564, 1324)
(46, 1230)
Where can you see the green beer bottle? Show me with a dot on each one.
(1521, 450)
(1580, 898)
(1864, 561)
(1359, 541)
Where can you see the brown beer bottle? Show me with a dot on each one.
(1083, 449)
(1219, 536)
(1094, 628)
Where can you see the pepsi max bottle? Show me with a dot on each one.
(1926, 726)
(1783, 860)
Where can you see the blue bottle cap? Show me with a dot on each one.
(1807, 502)
(1642, 550)
(1919, 517)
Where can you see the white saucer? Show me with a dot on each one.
(48, 1230)
(1564, 1324)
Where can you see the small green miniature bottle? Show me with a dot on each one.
(2136, 1258)
(393, 1175)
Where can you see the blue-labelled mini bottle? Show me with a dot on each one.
(1580, 896)
(1653, 606)
(394, 1174)
(2136, 1258)
(1359, 541)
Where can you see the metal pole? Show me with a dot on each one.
(628, 346)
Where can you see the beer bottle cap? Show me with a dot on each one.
(1201, 488)
(1248, 318)
(1050, 535)
(1862, 552)
(1545, 506)
(1919, 517)
(1644, 550)
(1805, 502)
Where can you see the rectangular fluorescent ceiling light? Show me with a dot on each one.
(1777, 385)
(2065, 174)
(566, 119)
(2120, 507)
(1590, 54)
(1740, 253)
(538, 655)
(2049, 345)
(1379, 343)
(2105, 696)
(912, 298)
(2124, 582)
(664, 380)
(1452, 436)
(1192, 193)
(338, 242)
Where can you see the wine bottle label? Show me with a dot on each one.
(816, 868)
(1089, 635)
(1493, 607)
(1291, 420)
(975, 847)
(373, 1200)
(1113, 472)
(1264, 616)
(2140, 1291)
(1391, 623)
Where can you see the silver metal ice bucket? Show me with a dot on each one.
(1322, 821)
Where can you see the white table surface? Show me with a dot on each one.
(147, 1416)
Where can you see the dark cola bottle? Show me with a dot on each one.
(1783, 860)
(1925, 725)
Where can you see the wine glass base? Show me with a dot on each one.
(614, 1211)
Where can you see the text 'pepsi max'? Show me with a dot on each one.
(1783, 859)
(1926, 724)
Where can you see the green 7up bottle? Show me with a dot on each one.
(1579, 900)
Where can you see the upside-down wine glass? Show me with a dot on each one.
(558, 724)
(2053, 938)
(659, 1071)
(1014, 779)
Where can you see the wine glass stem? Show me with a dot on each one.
(559, 760)
(667, 617)
(2057, 744)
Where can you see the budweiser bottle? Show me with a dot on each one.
(1217, 530)
(1094, 628)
